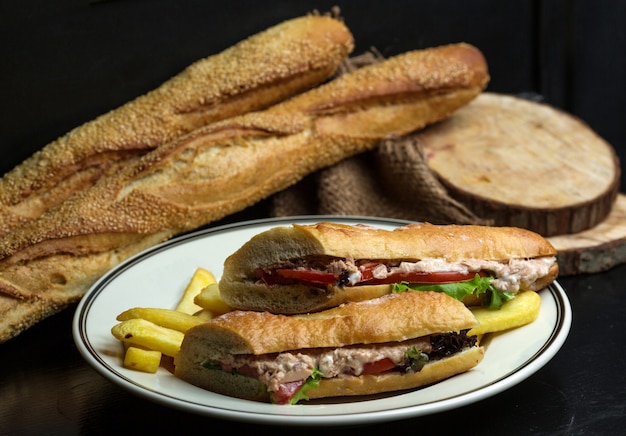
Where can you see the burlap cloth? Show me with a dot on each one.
(392, 181)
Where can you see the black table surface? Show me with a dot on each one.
(66, 62)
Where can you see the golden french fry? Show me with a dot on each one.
(147, 334)
(171, 319)
(204, 314)
(210, 299)
(521, 310)
(142, 359)
(200, 279)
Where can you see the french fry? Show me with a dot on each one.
(205, 314)
(200, 279)
(147, 334)
(150, 333)
(142, 359)
(168, 318)
(210, 299)
(521, 310)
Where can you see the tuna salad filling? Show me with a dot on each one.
(284, 374)
(509, 276)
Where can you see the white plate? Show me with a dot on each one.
(157, 277)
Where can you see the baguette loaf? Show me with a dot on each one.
(229, 165)
(391, 319)
(409, 242)
(253, 74)
(241, 285)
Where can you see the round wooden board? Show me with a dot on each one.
(597, 249)
(525, 164)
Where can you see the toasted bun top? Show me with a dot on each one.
(394, 317)
(411, 242)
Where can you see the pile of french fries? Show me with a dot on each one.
(149, 333)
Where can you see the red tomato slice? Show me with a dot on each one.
(316, 278)
(309, 276)
(286, 391)
(367, 271)
(378, 366)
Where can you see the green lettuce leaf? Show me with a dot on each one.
(476, 286)
(416, 359)
(312, 382)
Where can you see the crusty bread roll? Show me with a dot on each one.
(410, 242)
(253, 74)
(226, 166)
(392, 319)
(242, 286)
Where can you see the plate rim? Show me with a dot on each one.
(532, 364)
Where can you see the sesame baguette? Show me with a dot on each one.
(255, 73)
(229, 165)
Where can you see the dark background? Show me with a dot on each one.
(65, 62)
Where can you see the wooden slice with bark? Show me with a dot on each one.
(525, 164)
(597, 249)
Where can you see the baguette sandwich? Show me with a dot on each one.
(253, 74)
(392, 343)
(304, 268)
(212, 172)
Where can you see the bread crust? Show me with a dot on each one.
(393, 317)
(222, 382)
(240, 288)
(253, 74)
(411, 242)
(19, 314)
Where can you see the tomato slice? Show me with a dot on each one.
(367, 271)
(322, 278)
(379, 366)
(286, 391)
(309, 276)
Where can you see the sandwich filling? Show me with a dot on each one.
(289, 374)
(507, 276)
(503, 279)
